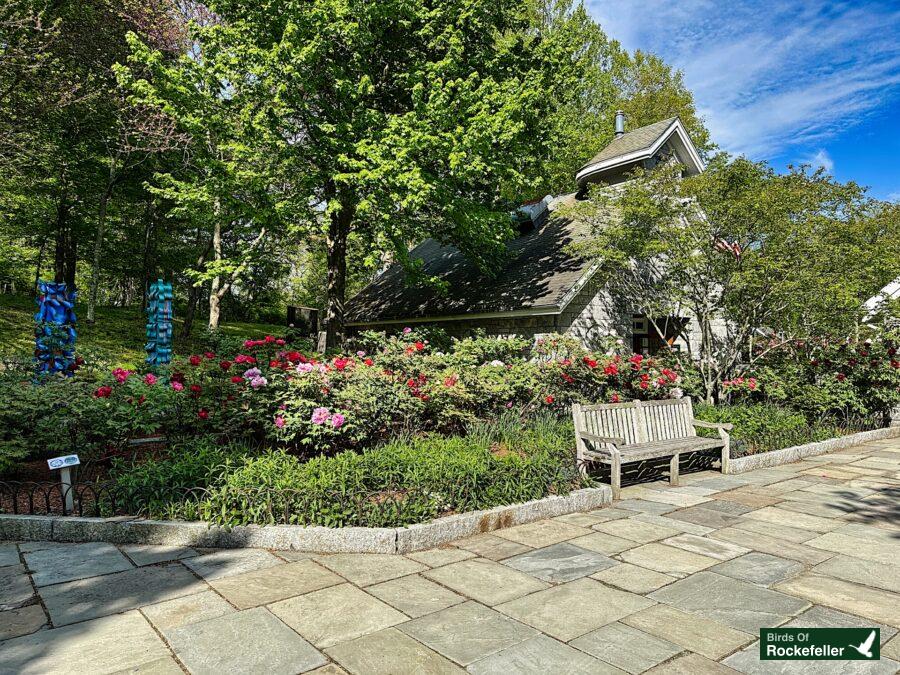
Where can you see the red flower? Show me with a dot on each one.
(895, 364)
(269, 339)
(273, 363)
(203, 414)
(209, 355)
(195, 390)
(568, 378)
(280, 342)
(237, 379)
(293, 357)
(589, 362)
(225, 365)
(340, 363)
(611, 369)
(841, 377)
(420, 346)
(369, 362)
(243, 358)
(451, 381)
(636, 361)
(177, 377)
(548, 399)
(644, 384)
(614, 398)
(103, 392)
(194, 360)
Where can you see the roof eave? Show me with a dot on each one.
(639, 155)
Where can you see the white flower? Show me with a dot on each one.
(677, 392)
(497, 362)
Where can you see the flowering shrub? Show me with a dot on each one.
(274, 393)
(827, 379)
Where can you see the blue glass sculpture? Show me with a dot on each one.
(159, 323)
(54, 331)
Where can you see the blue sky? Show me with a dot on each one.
(788, 82)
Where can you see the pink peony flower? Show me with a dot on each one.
(320, 416)
(252, 373)
(258, 382)
(150, 379)
(103, 392)
(360, 353)
(121, 375)
(407, 330)
(279, 422)
(177, 386)
(337, 420)
(194, 360)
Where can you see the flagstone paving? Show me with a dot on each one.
(669, 580)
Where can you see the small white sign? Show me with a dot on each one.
(63, 462)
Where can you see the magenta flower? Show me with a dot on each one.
(258, 382)
(150, 379)
(337, 420)
(320, 416)
(279, 422)
(177, 386)
(407, 330)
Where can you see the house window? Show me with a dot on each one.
(639, 324)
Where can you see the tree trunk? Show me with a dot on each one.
(39, 264)
(98, 249)
(65, 253)
(214, 297)
(146, 272)
(338, 231)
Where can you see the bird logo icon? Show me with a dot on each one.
(866, 647)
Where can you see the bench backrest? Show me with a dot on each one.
(637, 421)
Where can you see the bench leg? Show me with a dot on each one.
(615, 477)
(726, 455)
(673, 470)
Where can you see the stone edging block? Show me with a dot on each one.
(128, 530)
(765, 460)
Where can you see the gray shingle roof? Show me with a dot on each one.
(538, 274)
(632, 141)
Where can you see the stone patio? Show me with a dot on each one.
(669, 580)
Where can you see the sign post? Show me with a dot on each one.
(64, 465)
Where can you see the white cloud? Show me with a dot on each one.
(769, 76)
(894, 197)
(820, 159)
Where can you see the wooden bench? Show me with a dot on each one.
(619, 433)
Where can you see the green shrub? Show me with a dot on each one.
(407, 480)
(761, 427)
(158, 485)
(752, 419)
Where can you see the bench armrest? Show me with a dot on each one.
(713, 425)
(601, 439)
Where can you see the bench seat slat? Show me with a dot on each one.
(643, 451)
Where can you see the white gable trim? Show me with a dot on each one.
(676, 128)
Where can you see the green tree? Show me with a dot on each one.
(649, 90)
(388, 121)
(757, 259)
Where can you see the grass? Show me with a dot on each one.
(118, 331)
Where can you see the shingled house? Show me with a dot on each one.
(543, 287)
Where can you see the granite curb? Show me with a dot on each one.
(793, 454)
(128, 530)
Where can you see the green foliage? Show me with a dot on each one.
(742, 248)
(751, 420)
(407, 480)
(186, 471)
